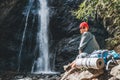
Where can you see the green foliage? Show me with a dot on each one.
(112, 42)
(108, 11)
(86, 9)
(89, 7)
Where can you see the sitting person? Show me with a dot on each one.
(88, 42)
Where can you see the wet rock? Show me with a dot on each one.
(27, 76)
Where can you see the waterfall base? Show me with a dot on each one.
(45, 72)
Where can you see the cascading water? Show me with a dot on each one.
(23, 37)
(43, 60)
(42, 64)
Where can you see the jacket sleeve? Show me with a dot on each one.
(86, 37)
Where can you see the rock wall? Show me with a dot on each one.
(64, 28)
(11, 28)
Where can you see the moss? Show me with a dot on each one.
(112, 42)
(103, 7)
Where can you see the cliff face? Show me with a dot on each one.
(11, 26)
(63, 27)
(65, 31)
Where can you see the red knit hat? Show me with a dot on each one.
(84, 24)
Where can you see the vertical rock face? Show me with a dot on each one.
(11, 26)
(64, 30)
(64, 33)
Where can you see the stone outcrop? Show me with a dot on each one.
(116, 71)
(78, 74)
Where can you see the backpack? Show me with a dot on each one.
(108, 56)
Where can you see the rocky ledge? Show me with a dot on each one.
(93, 74)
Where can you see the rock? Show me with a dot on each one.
(115, 71)
(66, 67)
(117, 48)
(26, 78)
(113, 78)
(118, 61)
(66, 51)
(89, 74)
(84, 75)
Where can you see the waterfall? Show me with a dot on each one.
(43, 60)
(23, 37)
(42, 64)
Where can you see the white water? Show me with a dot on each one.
(42, 64)
(23, 37)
